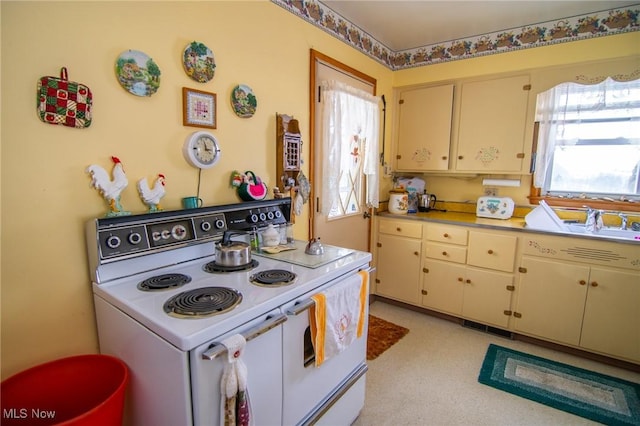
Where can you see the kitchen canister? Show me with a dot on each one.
(270, 236)
(398, 201)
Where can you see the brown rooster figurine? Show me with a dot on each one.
(110, 188)
(151, 196)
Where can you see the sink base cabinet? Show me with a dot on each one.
(611, 322)
(551, 300)
(590, 307)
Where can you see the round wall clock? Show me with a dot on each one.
(201, 150)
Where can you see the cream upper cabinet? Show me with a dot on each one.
(492, 126)
(424, 128)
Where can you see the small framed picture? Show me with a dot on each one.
(198, 108)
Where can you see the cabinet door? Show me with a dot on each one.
(492, 125)
(398, 272)
(487, 296)
(551, 297)
(424, 128)
(612, 313)
(442, 286)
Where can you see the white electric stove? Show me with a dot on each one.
(163, 307)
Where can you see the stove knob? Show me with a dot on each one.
(263, 217)
(278, 214)
(205, 226)
(134, 238)
(220, 224)
(270, 215)
(253, 218)
(179, 232)
(113, 242)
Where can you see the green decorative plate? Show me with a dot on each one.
(243, 101)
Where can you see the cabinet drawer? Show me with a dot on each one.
(406, 228)
(492, 251)
(446, 252)
(447, 234)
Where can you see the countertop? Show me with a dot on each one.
(512, 224)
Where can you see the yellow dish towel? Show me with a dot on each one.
(338, 316)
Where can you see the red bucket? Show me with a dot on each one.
(79, 390)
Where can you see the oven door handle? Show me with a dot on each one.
(300, 307)
(217, 349)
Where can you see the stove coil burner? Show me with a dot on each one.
(164, 282)
(214, 268)
(202, 302)
(273, 278)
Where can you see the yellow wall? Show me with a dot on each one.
(47, 310)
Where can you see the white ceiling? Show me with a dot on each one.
(402, 25)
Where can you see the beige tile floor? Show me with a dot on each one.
(430, 377)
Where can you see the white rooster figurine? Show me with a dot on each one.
(109, 188)
(151, 196)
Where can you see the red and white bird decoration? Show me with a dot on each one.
(110, 187)
(151, 196)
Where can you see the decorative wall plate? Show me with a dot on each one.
(137, 73)
(243, 101)
(198, 62)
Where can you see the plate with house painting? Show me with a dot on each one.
(137, 73)
(243, 101)
(198, 62)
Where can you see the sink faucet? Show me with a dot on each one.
(623, 220)
(594, 221)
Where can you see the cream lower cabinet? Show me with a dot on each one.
(461, 273)
(564, 295)
(398, 256)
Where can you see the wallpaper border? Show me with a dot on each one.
(562, 30)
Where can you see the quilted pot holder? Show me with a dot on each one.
(65, 102)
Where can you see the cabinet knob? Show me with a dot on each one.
(468, 281)
(444, 157)
(425, 270)
(460, 279)
(398, 229)
(445, 235)
(460, 157)
(444, 253)
(594, 284)
(416, 253)
(582, 282)
(424, 292)
(490, 251)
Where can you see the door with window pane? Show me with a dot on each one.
(347, 224)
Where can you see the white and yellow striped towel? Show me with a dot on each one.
(338, 316)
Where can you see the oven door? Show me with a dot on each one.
(263, 358)
(310, 391)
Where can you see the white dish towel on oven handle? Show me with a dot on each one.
(338, 316)
(235, 407)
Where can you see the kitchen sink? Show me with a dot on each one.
(627, 234)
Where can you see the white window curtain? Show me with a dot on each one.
(347, 114)
(571, 103)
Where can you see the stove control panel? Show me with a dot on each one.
(258, 217)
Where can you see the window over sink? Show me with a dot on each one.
(588, 144)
